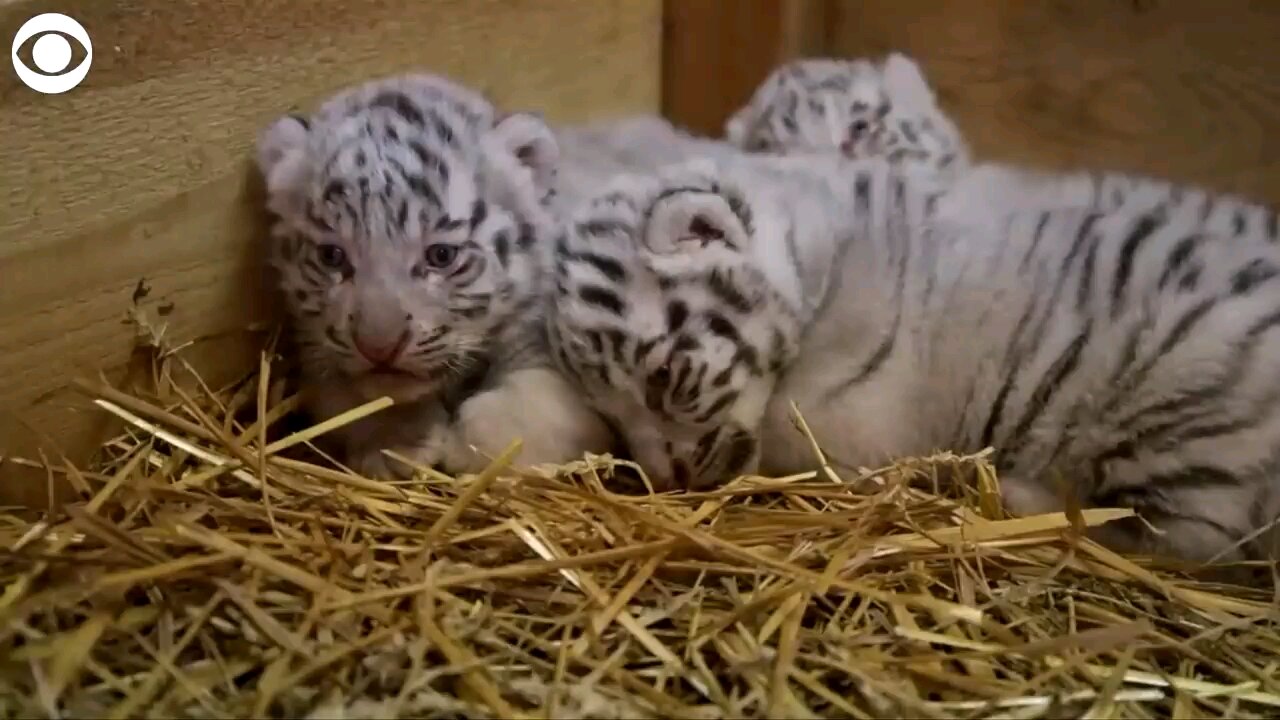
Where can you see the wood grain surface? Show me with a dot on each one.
(142, 174)
(715, 53)
(1185, 89)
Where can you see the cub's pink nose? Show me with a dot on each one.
(381, 350)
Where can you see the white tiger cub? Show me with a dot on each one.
(1133, 351)
(867, 108)
(886, 107)
(411, 238)
(859, 108)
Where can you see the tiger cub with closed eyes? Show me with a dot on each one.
(858, 108)
(1134, 351)
(886, 108)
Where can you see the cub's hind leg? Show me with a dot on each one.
(1198, 517)
(1188, 538)
(1213, 553)
(1189, 524)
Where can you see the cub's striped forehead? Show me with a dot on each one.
(601, 248)
(396, 154)
(857, 83)
(608, 286)
(628, 203)
(597, 264)
(829, 75)
(418, 99)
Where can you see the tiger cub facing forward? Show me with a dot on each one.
(412, 233)
(1133, 352)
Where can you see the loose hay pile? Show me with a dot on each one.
(203, 577)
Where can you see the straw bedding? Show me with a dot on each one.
(219, 566)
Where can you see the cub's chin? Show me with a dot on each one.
(401, 387)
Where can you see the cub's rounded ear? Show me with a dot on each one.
(905, 82)
(689, 231)
(744, 121)
(528, 139)
(736, 127)
(282, 152)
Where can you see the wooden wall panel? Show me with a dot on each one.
(1187, 90)
(715, 53)
(143, 172)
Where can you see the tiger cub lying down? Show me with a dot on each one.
(1132, 349)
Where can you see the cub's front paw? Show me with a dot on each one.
(487, 424)
(1024, 498)
(536, 406)
(376, 464)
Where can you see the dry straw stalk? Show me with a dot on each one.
(219, 566)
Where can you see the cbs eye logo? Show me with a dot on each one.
(52, 53)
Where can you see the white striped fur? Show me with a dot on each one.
(859, 108)
(1132, 351)
(885, 107)
(592, 153)
(408, 211)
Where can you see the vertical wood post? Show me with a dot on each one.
(715, 53)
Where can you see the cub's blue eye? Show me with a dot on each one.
(441, 255)
(332, 257)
